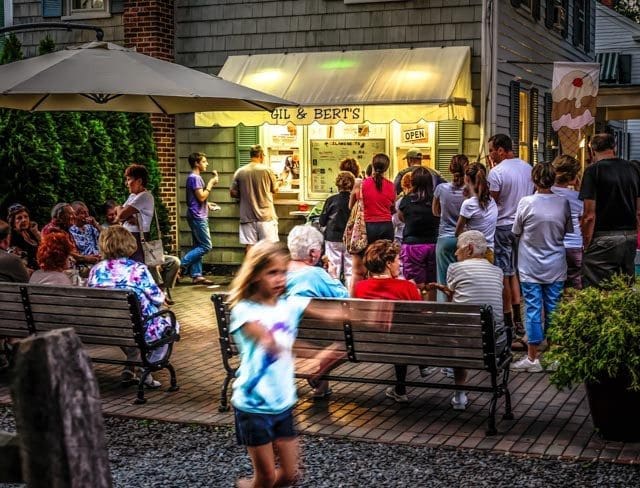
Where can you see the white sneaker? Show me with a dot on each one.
(526, 365)
(152, 384)
(426, 371)
(391, 393)
(459, 400)
(447, 372)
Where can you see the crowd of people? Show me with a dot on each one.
(492, 236)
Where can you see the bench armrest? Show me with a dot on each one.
(172, 336)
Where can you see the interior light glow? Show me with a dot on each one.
(260, 78)
(338, 64)
(415, 75)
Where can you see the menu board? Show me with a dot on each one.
(326, 155)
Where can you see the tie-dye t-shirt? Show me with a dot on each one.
(264, 381)
(124, 273)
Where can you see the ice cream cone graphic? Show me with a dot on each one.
(569, 141)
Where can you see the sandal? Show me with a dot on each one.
(201, 280)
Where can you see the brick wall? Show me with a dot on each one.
(149, 27)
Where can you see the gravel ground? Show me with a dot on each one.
(155, 454)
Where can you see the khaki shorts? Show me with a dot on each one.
(252, 232)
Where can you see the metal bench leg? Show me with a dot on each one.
(492, 415)
(508, 414)
(224, 404)
(174, 382)
(141, 399)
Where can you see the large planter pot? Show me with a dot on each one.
(615, 409)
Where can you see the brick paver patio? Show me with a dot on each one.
(548, 423)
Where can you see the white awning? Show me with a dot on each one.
(405, 85)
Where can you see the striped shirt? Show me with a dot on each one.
(476, 281)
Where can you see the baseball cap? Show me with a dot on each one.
(413, 154)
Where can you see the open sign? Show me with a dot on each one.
(413, 135)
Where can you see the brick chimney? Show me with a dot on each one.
(607, 3)
(149, 26)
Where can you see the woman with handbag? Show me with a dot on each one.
(372, 203)
(137, 212)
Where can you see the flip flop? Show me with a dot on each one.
(201, 280)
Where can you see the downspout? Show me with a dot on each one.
(488, 78)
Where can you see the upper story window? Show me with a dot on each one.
(582, 24)
(86, 5)
(77, 9)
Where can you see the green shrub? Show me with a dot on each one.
(596, 334)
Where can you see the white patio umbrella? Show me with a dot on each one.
(101, 76)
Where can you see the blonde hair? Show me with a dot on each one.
(567, 169)
(116, 242)
(257, 259)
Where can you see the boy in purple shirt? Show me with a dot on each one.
(198, 217)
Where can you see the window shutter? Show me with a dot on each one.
(550, 14)
(448, 144)
(587, 26)
(1, 19)
(246, 136)
(533, 124)
(117, 6)
(514, 115)
(52, 8)
(575, 37)
(565, 26)
(549, 134)
(535, 9)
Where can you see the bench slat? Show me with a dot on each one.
(422, 330)
(437, 319)
(401, 350)
(13, 315)
(10, 328)
(82, 302)
(401, 306)
(418, 360)
(110, 341)
(15, 306)
(81, 320)
(63, 310)
(93, 331)
(76, 291)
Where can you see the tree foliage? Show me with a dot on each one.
(51, 157)
(628, 8)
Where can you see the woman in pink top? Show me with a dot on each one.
(378, 198)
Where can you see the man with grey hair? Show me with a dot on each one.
(474, 280)
(62, 218)
(254, 185)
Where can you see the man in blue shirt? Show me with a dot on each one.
(198, 217)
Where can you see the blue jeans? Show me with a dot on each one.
(539, 297)
(445, 255)
(201, 238)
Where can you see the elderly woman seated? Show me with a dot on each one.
(25, 236)
(53, 258)
(117, 270)
(474, 280)
(305, 279)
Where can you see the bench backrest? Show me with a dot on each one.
(435, 334)
(98, 316)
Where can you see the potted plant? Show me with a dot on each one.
(595, 339)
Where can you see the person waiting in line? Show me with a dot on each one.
(334, 217)
(351, 165)
(305, 279)
(398, 225)
(414, 160)
(474, 280)
(25, 236)
(567, 181)
(118, 270)
(418, 251)
(542, 222)
(378, 198)
(382, 260)
(85, 232)
(479, 211)
(53, 258)
(447, 200)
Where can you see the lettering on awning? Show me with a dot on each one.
(352, 114)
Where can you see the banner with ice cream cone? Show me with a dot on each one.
(574, 90)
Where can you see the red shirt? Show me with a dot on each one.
(377, 204)
(387, 289)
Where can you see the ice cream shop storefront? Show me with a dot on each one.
(351, 104)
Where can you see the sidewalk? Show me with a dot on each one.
(548, 423)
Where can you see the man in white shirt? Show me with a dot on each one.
(509, 181)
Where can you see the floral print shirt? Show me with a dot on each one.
(86, 239)
(126, 274)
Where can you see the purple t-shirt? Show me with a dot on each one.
(195, 208)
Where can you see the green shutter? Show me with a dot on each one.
(514, 115)
(448, 144)
(246, 136)
(533, 123)
(1, 18)
(51, 8)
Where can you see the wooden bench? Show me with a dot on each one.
(421, 333)
(106, 317)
